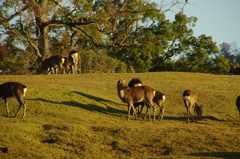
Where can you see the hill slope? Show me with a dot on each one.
(81, 116)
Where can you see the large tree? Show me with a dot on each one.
(100, 24)
(135, 32)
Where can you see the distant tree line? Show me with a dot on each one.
(110, 35)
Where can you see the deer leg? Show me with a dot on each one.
(154, 113)
(187, 114)
(147, 113)
(21, 103)
(190, 110)
(130, 106)
(160, 117)
(6, 104)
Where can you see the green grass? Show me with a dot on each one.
(81, 116)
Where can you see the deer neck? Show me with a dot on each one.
(122, 92)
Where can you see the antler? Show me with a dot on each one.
(234, 61)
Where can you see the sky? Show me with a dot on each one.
(219, 19)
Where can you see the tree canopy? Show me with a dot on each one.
(112, 35)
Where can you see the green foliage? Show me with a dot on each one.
(136, 33)
(81, 116)
(92, 62)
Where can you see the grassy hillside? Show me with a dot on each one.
(81, 116)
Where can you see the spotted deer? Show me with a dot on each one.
(16, 90)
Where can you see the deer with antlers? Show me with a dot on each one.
(235, 69)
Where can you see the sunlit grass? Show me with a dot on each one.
(81, 116)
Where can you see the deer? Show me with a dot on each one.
(238, 104)
(66, 65)
(234, 69)
(134, 83)
(189, 98)
(158, 99)
(51, 63)
(14, 89)
(198, 110)
(73, 56)
(132, 95)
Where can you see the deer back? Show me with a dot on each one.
(73, 56)
(135, 82)
(190, 96)
(159, 97)
(134, 94)
(11, 89)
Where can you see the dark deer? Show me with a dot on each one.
(73, 56)
(52, 64)
(238, 104)
(198, 111)
(235, 69)
(189, 98)
(134, 83)
(14, 89)
(132, 95)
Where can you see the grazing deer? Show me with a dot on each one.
(198, 111)
(73, 56)
(132, 95)
(66, 65)
(235, 69)
(14, 89)
(51, 63)
(189, 98)
(238, 104)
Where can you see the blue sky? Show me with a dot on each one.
(217, 18)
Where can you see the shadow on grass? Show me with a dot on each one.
(183, 118)
(90, 107)
(216, 154)
(211, 118)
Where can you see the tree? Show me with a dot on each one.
(113, 25)
(135, 32)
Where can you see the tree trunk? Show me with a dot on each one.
(42, 28)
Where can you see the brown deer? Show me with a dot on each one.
(51, 63)
(73, 56)
(198, 111)
(132, 95)
(238, 104)
(189, 98)
(66, 65)
(158, 99)
(235, 69)
(14, 89)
